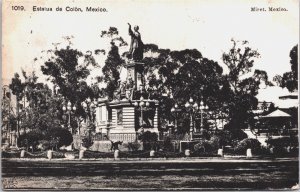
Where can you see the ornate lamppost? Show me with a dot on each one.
(89, 107)
(202, 109)
(140, 105)
(68, 110)
(193, 108)
(175, 110)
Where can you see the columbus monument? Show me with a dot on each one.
(131, 112)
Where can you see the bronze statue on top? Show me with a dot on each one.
(136, 46)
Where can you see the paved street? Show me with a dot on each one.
(203, 174)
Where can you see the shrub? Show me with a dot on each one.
(87, 142)
(148, 138)
(243, 145)
(132, 146)
(225, 137)
(215, 142)
(53, 142)
(97, 154)
(59, 137)
(203, 146)
(211, 145)
(282, 142)
(6, 154)
(204, 154)
(167, 145)
(30, 140)
(36, 154)
(44, 145)
(135, 154)
(177, 136)
(234, 133)
(66, 154)
(167, 154)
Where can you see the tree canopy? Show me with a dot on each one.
(40, 113)
(240, 85)
(289, 79)
(69, 70)
(172, 77)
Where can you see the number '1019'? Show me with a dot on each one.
(17, 8)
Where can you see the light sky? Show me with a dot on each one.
(205, 25)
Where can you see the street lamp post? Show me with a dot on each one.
(23, 110)
(68, 109)
(18, 109)
(175, 110)
(202, 107)
(193, 108)
(140, 105)
(89, 107)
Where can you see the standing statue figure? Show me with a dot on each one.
(136, 46)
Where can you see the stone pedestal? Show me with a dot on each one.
(135, 71)
(81, 154)
(49, 154)
(121, 112)
(249, 153)
(117, 154)
(22, 155)
(125, 121)
(187, 152)
(220, 152)
(152, 153)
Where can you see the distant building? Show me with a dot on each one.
(263, 107)
(288, 101)
(282, 121)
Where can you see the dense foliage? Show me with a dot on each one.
(289, 79)
(283, 142)
(149, 139)
(172, 77)
(247, 143)
(68, 69)
(87, 142)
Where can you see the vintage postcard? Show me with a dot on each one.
(149, 95)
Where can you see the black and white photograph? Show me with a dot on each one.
(149, 95)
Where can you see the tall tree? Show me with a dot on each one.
(68, 69)
(111, 70)
(17, 88)
(8, 118)
(181, 75)
(40, 114)
(241, 88)
(114, 61)
(289, 79)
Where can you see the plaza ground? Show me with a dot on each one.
(180, 174)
